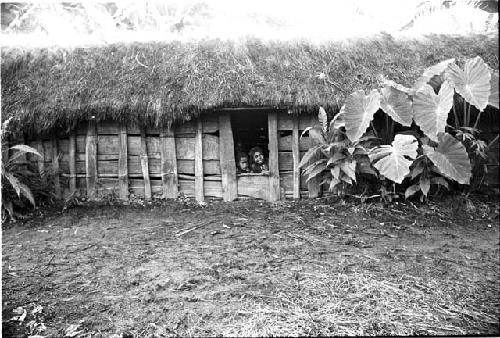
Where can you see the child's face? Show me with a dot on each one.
(258, 157)
(243, 163)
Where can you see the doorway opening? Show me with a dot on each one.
(249, 131)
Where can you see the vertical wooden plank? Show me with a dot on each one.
(227, 162)
(122, 162)
(296, 156)
(198, 162)
(168, 156)
(274, 173)
(72, 162)
(91, 160)
(55, 167)
(145, 165)
(41, 160)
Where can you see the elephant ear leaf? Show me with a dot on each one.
(317, 135)
(323, 119)
(391, 161)
(358, 112)
(451, 159)
(493, 99)
(400, 87)
(430, 72)
(431, 110)
(473, 82)
(26, 149)
(338, 120)
(22, 149)
(397, 105)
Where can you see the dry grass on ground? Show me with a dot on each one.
(313, 267)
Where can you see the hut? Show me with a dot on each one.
(163, 118)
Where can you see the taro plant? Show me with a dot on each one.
(335, 158)
(424, 171)
(426, 105)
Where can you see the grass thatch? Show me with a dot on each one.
(160, 83)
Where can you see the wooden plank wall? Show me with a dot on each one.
(124, 158)
(290, 127)
(105, 145)
(142, 175)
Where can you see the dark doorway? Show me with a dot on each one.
(249, 130)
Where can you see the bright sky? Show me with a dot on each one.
(315, 20)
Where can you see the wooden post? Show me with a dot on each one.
(168, 163)
(145, 165)
(227, 163)
(296, 157)
(122, 162)
(91, 160)
(41, 160)
(274, 174)
(72, 162)
(198, 162)
(55, 167)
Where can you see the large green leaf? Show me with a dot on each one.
(26, 149)
(451, 158)
(391, 161)
(493, 98)
(412, 190)
(310, 155)
(400, 87)
(358, 112)
(337, 156)
(473, 82)
(430, 72)
(349, 168)
(431, 110)
(317, 135)
(22, 149)
(338, 120)
(425, 184)
(27, 193)
(397, 105)
(323, 119)
(318, 168)
(14, 182)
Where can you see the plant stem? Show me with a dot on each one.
(493, 141)
(466, 118)
(387, 136)
(457, 121)
(477, 119)
(373, 128)
(468, 115)
(392, 131)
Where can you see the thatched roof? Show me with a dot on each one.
(164, 82)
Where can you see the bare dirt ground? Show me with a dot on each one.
(314, 267)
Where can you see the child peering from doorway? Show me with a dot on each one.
(258, 163)
(242, 166)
